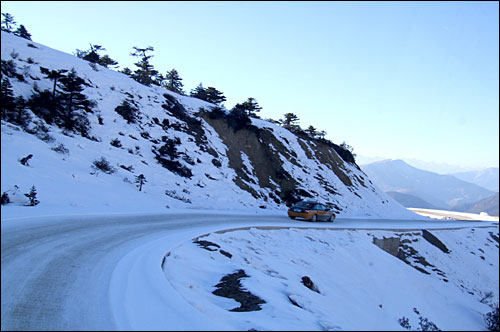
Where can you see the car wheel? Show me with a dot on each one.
(292, 217)
(314, 218)
(331, 218)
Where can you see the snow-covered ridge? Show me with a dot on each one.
(363, 279)
(208, 160)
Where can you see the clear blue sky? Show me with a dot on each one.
(392, 79)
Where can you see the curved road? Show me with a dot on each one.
(77, 272)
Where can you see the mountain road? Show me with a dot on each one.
(80, 272)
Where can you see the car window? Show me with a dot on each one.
(306, 205)
(318, 207)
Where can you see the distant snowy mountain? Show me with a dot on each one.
(187, 155)
(487, 178)
(442, 191)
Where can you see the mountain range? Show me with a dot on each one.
(487, 178)
(419, 188)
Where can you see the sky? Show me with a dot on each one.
(392, 79)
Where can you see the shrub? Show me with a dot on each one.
(404, 322)
(116, 143)
(238, 119)
(427, 325)
(102, 165)
(216, 112)
(127, 111)
(491, 319)
(129, 168)
(60, 149)
(170, 148)
(32, 197)
(5, 199)
(25, 160)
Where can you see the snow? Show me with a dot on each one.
(164, 281)
(361, 287)
(445, 214)
(64, 181)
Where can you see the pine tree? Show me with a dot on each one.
(289, 121)
(74, 103)
(127, 71)
(13, 109)
(158, 79)
(311, 131)
(32, 196)
(250, 107)
(214, 96)
(174, 82)
(92, 55)
(7, 105)
(53, 75)
(140, 180)
(145, 72)
(321, 134)
(44, 104)
(238, 118)
(8, 22)
(199, 92)
(107, 62)
(21, 116)
(22, 32)
(210, 94)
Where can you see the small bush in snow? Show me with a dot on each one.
(129, 168)
(60, 149)
(173, 194)
(116, 143)
(25, 160)
(14, 54)
(9, 68)
(487, 296)
(491, 319)
(5, 199)
(102, 165)
(32, 197)
(127, 111)
(404, 322)
(427, 325)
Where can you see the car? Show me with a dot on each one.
(311, 210)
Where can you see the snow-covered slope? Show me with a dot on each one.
(362, 279)
(262, 166)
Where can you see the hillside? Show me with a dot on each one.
(490, 205)
(442, 191)
(357, 280)
(189, 156)
(486, 178)
(409, 201)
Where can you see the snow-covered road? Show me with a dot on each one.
(103, 272)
